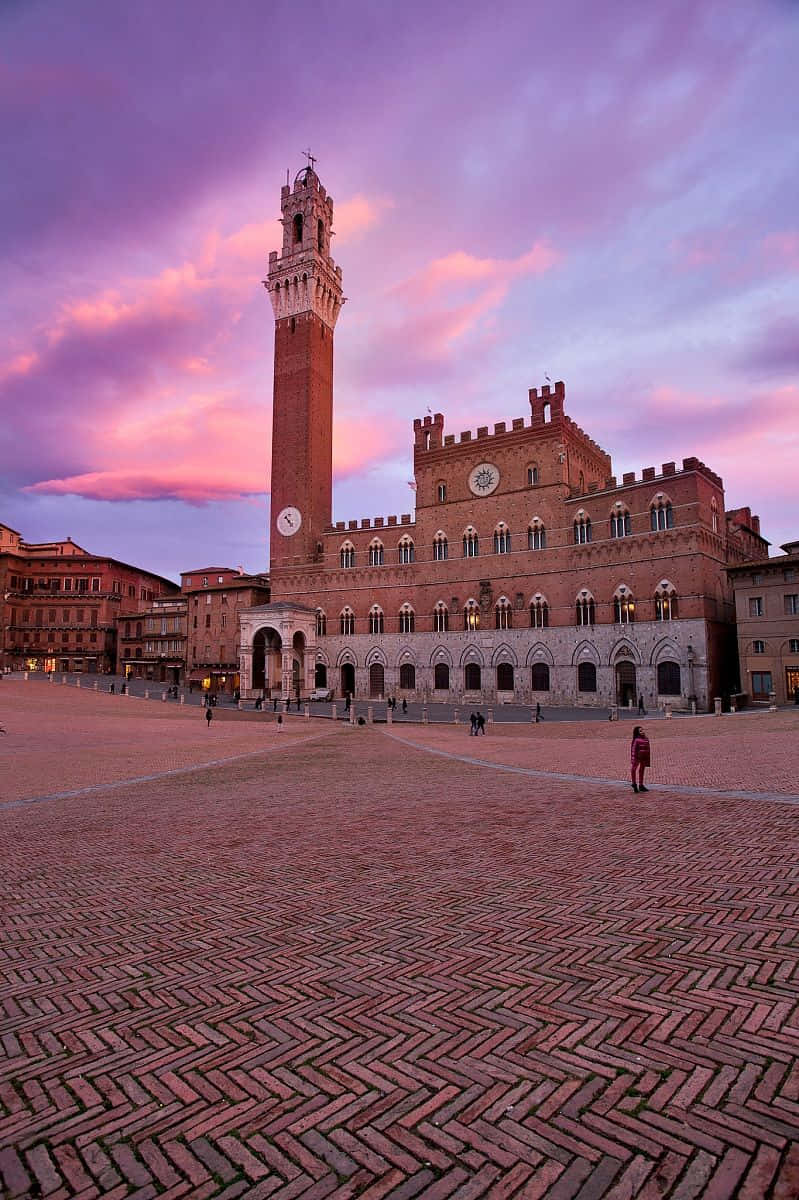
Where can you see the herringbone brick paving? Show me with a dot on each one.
(343, 967)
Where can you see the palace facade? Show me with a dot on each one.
(529, 573)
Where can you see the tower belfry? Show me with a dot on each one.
(304, 285)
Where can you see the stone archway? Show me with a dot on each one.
(625, 682)
(267, 649)
(377, 681)
(348, 679)
(277, 650)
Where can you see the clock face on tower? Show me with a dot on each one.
(288, 520)
(483, 479)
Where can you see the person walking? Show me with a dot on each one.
(481, 724)
(641, 709)
(473, 725)
(209, 716)
(639, 759)
(404, 706)
(539, 716)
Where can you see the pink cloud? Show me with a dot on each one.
(782, 249)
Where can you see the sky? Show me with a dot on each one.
(604, 192)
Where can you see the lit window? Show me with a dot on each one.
(471, 615)
(623, 607)
(665, 603)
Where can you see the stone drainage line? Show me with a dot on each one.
(683, 789)
(122, 783)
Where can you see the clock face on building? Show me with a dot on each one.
(483, 479)
(288, 520)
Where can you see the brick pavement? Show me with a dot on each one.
(338, 966)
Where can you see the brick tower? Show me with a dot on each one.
(304, 285)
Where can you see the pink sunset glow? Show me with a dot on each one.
(606, 195)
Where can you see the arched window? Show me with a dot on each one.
(297, 228)
(441, 492)
(127, 629)
(665, 602)
(669, 682)
(540, 677)
(470, 542)
(375, 619)
(405, 550)
(586, 677)
(505, 677)
(320, 236)
(440, 546)
(661, 514)
(471, 615)
(407, 677)
(620, 524)
(536, 535)
(406, 619)
(471, 677)
(440, 618)
(376, 553)
(503, 614)
(347, 555)
(539, 613)
(714, 515)
(582, 529)
(586, 609)
(347, 621)
(532, 475)
(441, 677)
(623, 606)
(502, 539)
(321, 623)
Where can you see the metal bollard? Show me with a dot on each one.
(667, 711)
(389, 715)
(717, 705)
(424, 714)
(370, 714)
(25, 676)
(772, 701)
(307, 712)
(146, 693)
(490, 716)
(456, 717)
(182, 698)
(333, 712)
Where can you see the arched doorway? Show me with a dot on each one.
(471, 677)
(347, 679)
(441, 677)
(377, 683)
(266, 660)
(320, 675)
(625, 682)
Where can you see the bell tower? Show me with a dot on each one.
(304, 285)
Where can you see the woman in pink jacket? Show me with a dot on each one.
(639, 759)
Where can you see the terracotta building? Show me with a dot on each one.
(767, 610)
(530, 572)
(60, 604)
(215, 599)
(151, 643)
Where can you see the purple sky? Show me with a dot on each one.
(604, 192)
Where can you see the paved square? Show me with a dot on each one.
(332, 961)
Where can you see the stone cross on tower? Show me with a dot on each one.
(304, 285)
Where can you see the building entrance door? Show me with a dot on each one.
(347, 679)
(625, 683)
(377, 681)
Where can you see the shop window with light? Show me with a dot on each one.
(321, 623)
(661, 515)
(347, 555)
(406, 550)
(440, 547)
(407, 619)
(586, 609)
(620, 523)
(376, 554)
(539, 613)
(470, 543)
(347, 621)
(502, 539)
(503, 614)
(623, 607)
(471, 615)
(536, 535)
(440, 618)
(582, 529)
(375, 619)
